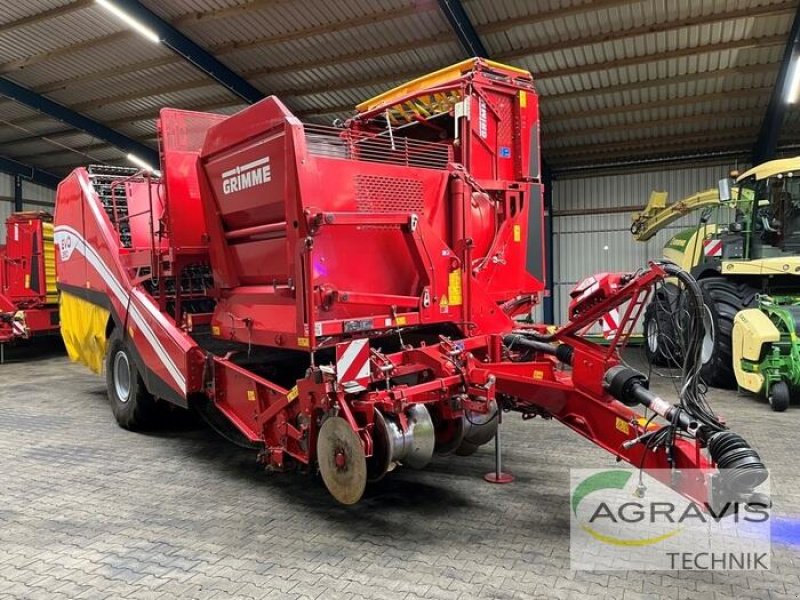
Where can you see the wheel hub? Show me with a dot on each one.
(122, 376)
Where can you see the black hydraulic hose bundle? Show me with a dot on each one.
(740, 464)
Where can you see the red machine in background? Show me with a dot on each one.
(28, 294)
(344, 298)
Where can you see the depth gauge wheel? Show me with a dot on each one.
(341, 459)
(132, 405)
(779, 396)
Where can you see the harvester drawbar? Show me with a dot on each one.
(344, 298)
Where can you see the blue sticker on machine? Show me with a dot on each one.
(505, 152)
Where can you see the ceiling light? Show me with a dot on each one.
(130, 21)
(793, 93)
(143, 165)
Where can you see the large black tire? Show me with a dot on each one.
(724, 299)
(133, 406)
(660, 337)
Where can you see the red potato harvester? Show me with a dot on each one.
(344, 298)
(28, 294)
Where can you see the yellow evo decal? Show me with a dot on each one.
(400, 320)
(27, 282)
(517, 233)
(523, 98)
(622, 426)
(292, 395)
(215, 330)
(537, 374)
(303, 342)
(251, 395)
(454, 288)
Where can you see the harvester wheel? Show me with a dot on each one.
(779, 396)
(133, 406)
(661, 344)
(723, 299)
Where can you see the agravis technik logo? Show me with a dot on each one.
(624, 519)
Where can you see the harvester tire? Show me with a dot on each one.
(779, 396)
(723, 299)
(133, 406)
(660, 337)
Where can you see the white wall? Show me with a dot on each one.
(35, 197)
(599, 240)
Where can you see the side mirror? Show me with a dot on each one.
(724, 187)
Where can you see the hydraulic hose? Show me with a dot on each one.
(741, 469)
(561, 351)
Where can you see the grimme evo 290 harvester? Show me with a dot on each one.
(28, 294)
(343, 298)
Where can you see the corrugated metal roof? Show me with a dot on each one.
(613, 75)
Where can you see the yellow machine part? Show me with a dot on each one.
(49, 249)
(751, 330)
(83, 327)
(431, 102)
(777, 265)
(686, 252)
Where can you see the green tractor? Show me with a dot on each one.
(745, 254)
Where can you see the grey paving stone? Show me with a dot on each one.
(88, 510)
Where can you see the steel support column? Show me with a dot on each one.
(548, 305)
(17, 193)
(465, 32)
(768, 136)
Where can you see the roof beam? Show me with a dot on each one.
(455, 14)
(444, 37)
(767, 142)
(38, 176)
(74, 119)
(192, 52)
(385, 78)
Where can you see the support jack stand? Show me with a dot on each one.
(497, 476)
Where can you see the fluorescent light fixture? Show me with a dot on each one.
(793, 93)
(129, 20)
(143, 165)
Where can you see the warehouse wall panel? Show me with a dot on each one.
(591, 235)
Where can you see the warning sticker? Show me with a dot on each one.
(517, 233)
(444, 305)
(292, 395)
(454, 288)
(622, 426)
(251, 395)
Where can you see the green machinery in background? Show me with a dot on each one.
(745, 254)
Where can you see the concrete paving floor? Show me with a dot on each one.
(89, 510)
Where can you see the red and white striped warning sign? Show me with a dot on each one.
(352, 361)
(712, 247)
(18, 324)
(610, 323)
